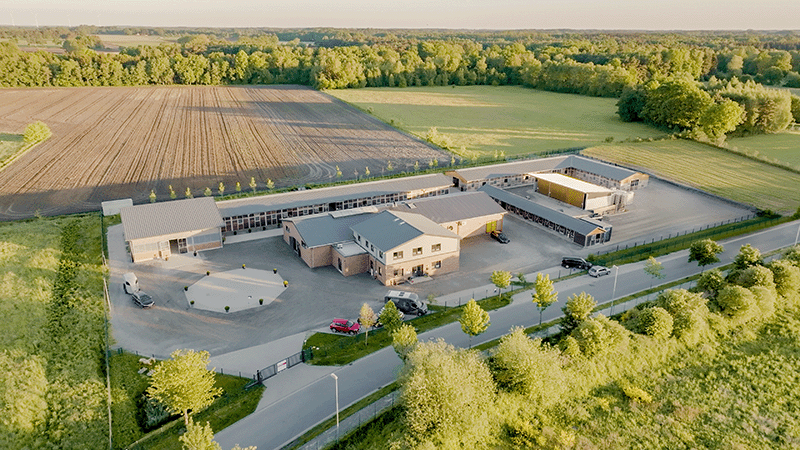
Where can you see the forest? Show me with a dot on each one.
(704, 84)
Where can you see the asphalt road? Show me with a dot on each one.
(274, 425)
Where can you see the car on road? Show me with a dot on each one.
(599, 271)
(345, 326)
(574, 262)
(500, 237)
(142, 299)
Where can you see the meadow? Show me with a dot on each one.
(10, 145)
(511, 119)
(781, 148)
(711, 169)
(52, 334)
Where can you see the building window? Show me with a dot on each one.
(380, 254)
(371, 247)
(287, 227)
(398, 272)
(416, 251)
(437, 264)
(359, 238)
(398, 255)
(436, 247)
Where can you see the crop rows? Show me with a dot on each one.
(111, 143)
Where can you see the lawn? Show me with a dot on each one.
(485, 119)
(10, 145)
(713, 170)
(782, 148)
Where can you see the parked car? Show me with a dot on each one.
(142, 299)
(599, 271)
(345, 326)
(407, 302)
(573, 262)
(500, 237)
(130, 283)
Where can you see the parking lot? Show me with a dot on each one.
(315, 296)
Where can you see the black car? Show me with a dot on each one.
(142, 299)
(573, 262)
(500, 237)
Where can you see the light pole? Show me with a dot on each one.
(336, 381)
(614, 291)
(797, 236)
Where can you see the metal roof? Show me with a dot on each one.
(596, 167)
(510, 169)
(452, 207)
(287, 200)
(572, 183)
(176, 216)
(580, 226)
(326, 228)
(389, 229)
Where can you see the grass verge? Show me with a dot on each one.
(666, 246)
(128, 387)
(335, 349)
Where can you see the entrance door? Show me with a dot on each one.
(417, 271)
(182, 245)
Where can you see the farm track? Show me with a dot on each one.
(111, 143)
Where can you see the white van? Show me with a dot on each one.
(407, 302)
(131, 283)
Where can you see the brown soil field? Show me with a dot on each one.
(121, 142)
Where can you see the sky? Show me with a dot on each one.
(463, 14)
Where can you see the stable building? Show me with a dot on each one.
(159, 230)
(505, 175)
(602, 174)
(403, 245)
(467, 214)
(583, 231)
(268, 211)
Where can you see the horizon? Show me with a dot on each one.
(519, 15)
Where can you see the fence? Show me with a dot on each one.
(352, 422)
(274, 369)
(680, 240)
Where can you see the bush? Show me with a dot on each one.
(599, 335)
(756, 276)
(634, 393)
(688, 311)
(36, 132)
(656, 322)
(786, 277)
(736, 302)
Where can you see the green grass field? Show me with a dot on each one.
(782, 148)
(10, 145)
(485, 119)
(713, 170)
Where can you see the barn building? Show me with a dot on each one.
(583, 231)
(159, 230)
(268, 211)
(602, 174)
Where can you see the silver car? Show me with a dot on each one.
(599, 271)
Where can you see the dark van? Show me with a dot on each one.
(573, 262)
(407, 302)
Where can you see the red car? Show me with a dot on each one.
(345, 326)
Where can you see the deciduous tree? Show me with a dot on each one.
(501, 279)
(367, 319)
(576, 310)
(198, 437)
(390, 317)
(544, 295)
(474, 320)
(705, 252)
(404, 339)
(748, 256)
(529, 367)
(183, 383)
(654, 268)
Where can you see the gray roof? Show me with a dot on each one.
(596, 167)
(176, 216)
(510, 169)
(324, 229)
(452, 207)
(580, 226)
(276, 202)
(389, 229)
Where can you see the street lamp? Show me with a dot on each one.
(614, 291)
(797, 236)
(336, 380)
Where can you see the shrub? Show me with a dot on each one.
(599, 335)
(688, 311)
(36, 132)
(634, 393)
(786, 277)
(711, 281)
(736, 302)
(528, 367)
(656, 322)
(756, 276)
(576, 310)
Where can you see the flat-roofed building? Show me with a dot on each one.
(503, 175)
(576, 192)
(583, 231)
(268, 211)
(158, 230)
(402, 245)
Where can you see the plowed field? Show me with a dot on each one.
(111, 143)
